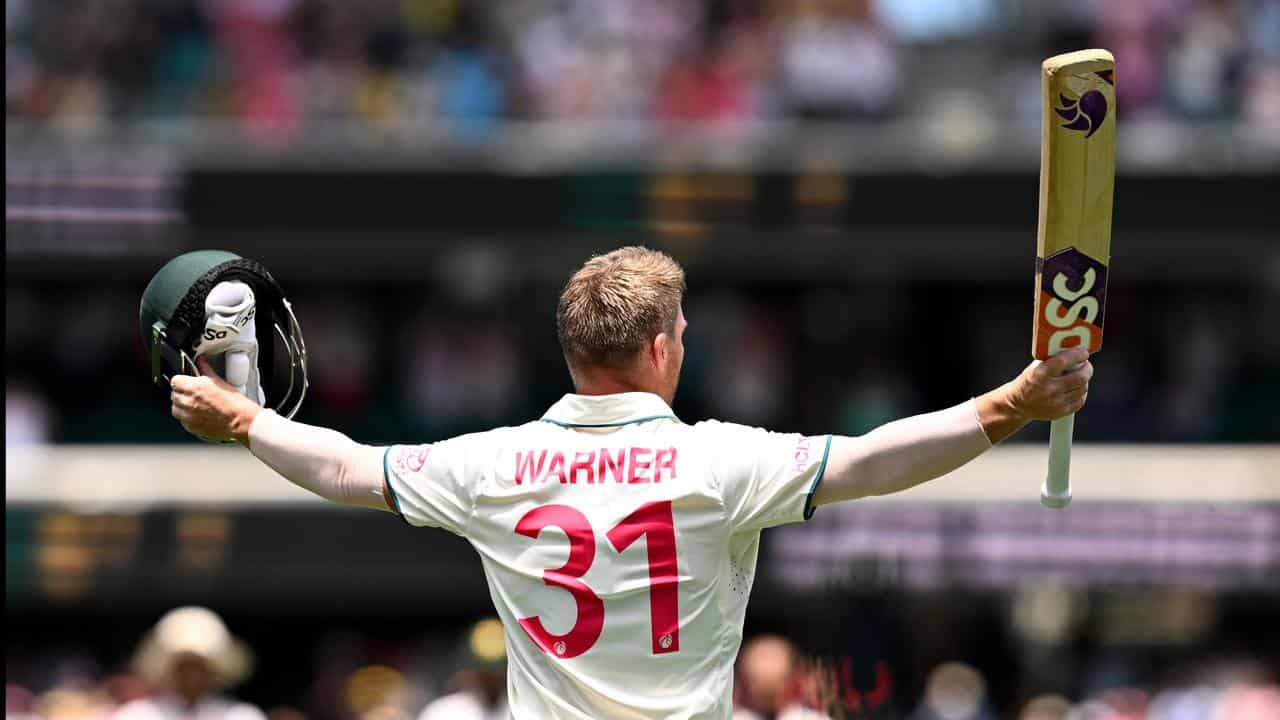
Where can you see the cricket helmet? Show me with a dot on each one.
(172, 319)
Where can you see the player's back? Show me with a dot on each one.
(619, 545)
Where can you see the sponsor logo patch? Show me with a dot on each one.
(1073, 289)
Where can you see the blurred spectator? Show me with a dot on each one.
(479, 687)
(469, 78)
(773, 683)
(1134, 32)
(191, 658)
(837, 61)
(1247, 701)
(1262, 98)
(68, 693)
(1204, 61)
(704, 86)
(1045, 707)
(765, 664)
(19, 703)
(261, 58)
(28, 416)
(68, 704)
(126, 687)
(954, 691)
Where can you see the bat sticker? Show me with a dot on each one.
(1086, 113)
(1073, 294)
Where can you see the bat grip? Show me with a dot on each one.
(1056, 492)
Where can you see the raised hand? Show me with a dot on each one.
(211, 408)
(1053, 388)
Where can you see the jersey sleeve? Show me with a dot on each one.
(767, 478)
(429, 484)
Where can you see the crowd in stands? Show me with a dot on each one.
(190, 665)
(275, 66)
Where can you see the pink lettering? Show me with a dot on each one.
(633, 466)
(583, 461)
(801, 455)
(526, 469)
(612, 464)
(639, 464)
(664, 460)
(556, 469)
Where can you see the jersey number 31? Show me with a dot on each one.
(652, 519)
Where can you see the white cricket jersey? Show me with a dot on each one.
(619, 545)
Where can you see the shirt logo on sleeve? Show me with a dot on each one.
(418, 458)
(618, 466)
(410, 459)
(801, 455)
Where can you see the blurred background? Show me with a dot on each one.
(851, 186)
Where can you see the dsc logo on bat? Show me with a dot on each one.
(1072, 301)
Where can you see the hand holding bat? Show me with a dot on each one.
(1053, 388)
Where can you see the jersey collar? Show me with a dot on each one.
(607, 410)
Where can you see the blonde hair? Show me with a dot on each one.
(615, 305)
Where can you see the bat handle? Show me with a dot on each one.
(1056, 492)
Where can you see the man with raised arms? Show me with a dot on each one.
(620, 543)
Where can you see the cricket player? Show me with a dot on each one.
(618, 542)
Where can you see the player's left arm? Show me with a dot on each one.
(321, 460)
(907, 452)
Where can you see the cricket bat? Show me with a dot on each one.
(1073, 238)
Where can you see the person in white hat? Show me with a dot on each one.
(190, 658)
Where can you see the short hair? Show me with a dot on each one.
(615, 305)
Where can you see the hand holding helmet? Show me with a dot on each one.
(200, 315)
(211, 408)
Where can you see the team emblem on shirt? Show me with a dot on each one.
(410, 459)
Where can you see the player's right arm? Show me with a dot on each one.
(321, 460)
(907, 452)
(324, 461)
(328, 463)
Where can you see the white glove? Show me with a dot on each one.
(230, 335)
